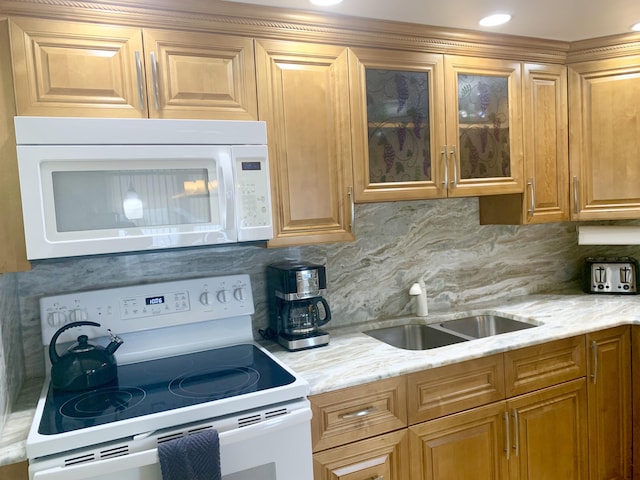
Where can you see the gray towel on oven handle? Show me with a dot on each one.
(194, 457)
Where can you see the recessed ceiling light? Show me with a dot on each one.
(325, 3)
(493, 20)
(635, 27)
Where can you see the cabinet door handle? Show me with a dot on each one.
(507, 432)
(154, 73)
(516, 432)
(446, 167)
(454, 155)
(352, 203)
(575, 194)
(532, 205)
(140, 85)
(594, 354)
(377, 477)
(359, 413)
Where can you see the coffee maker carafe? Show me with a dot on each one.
(297, 307)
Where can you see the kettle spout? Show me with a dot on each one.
(115, 343)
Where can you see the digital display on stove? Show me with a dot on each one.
(164, 384)
(159, 300)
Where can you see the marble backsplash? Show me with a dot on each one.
(397, 243)
(12, 371)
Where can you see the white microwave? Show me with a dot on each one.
(96, 186)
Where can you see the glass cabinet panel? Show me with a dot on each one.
(398, 126)
(484, 126)
(483, 120)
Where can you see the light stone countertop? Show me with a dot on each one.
(353, 358)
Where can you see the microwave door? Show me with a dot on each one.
(107, 199)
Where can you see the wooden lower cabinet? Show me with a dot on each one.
(549, 439)
(539, 435)
(466, 445)
(560, 410)
(384, 457)
(609, 391)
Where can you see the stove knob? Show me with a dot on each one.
(55, 319)
(238, 294)
(206, 298)
(223, 296)
(78, 315)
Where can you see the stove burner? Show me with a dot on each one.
(214, 383)
(102, 402)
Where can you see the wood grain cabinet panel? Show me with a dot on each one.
(76, 69)
(466, 445)
(93, 70)
(200, 75)
(354, 413)
(303, 95)
(453, 388)
(605, 138)
(546, 364)
(610, 412)
(13, 255)
(384, 457)
(550, 438)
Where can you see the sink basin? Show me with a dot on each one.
(479, 326)
(415, 337)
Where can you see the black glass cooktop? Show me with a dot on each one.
(165, 384)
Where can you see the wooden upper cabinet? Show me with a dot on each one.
(605, 138)
(75, 69)
(303, 94)
(397, 107)
(546, 154)
(13, 255)
(430, 125)
(200, 75)
(91, 70)
(484, 145)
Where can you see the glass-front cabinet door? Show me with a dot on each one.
(397, 105)
(484, 126)
(431, 126)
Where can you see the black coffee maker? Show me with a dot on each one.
(296, 304)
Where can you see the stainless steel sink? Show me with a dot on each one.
(415, 337)
(478, 326)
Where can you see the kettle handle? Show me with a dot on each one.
(327, 312)
(53, 355)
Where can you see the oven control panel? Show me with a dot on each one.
(149, 306)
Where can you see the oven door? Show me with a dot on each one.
(94, 199)
(278, 449)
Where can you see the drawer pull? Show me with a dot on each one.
(360, 413)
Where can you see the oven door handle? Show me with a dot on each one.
(150, 457)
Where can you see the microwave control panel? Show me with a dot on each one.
(253, 193)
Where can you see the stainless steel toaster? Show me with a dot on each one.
(617, 275)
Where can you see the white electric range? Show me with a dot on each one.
(187, 363)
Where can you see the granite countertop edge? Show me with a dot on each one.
(354, 358)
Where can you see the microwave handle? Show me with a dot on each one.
(225, 175)
(150, 457)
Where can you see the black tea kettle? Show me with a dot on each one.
(84, 365)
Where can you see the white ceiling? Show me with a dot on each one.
(567, 20)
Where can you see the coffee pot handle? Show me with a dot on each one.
(327, 312)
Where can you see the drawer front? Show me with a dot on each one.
(539, 366)
(355, 413)
(453, 388)
(384, 457)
